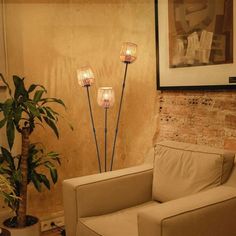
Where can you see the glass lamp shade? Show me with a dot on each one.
(106, 97)
(128, 52)
(85, 76)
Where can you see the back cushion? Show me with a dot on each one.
(181, 169)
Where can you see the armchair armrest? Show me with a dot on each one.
(105, 193)
(211, 212)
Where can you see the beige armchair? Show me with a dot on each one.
(191, 191)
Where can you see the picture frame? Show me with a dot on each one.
(189, 77)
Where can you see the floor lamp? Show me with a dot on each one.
(86, 79)
(128, 55)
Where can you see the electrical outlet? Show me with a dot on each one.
(47, 224)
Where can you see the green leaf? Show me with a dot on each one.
(55, 100)
(41, 110)
(59, 101)
(18, 115)
(52, 111)
(52, 125)
(7, 171)
(36, 163)
(54, 156)
(9, 198)
(36, 181)
(40, 118)
(45, 180)
(53, 171)
(5, 82)
(33, 109)
(10, 133)
(8, 158)
(19, 88)
(1, 169)
(1, 160)
(37, 96)
(16, 175)
(33, 150)
(2, 123)
(49, 114)
(34, 86)
(7, 107)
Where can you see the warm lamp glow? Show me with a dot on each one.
(128, 53)
(106, 97)
(85, 76)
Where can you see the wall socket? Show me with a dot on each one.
(47, 223)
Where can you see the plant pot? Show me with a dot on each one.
(33, 228)
(4, 232)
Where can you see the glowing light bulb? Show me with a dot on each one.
(128, 53)
(85, 76)
(106, 97)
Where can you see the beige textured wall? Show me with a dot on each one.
(2, 64)
(48, 40)
(2, 56)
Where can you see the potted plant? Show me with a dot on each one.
(6, 190)
(22, 111)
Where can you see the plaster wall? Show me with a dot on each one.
(2, 64)
(2, 51)
(48, 40)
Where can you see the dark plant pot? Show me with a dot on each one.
(32, 228)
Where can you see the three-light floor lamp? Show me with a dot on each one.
(106, 98)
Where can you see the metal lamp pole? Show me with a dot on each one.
(105, 132)
(94, 130)
(128, 54)
(86, 79)
(106, 98)
(118, 117)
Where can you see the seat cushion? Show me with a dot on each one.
(181, 169)
(120, 223)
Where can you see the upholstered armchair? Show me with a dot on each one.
(189, 190)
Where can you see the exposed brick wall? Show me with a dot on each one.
(202, 117)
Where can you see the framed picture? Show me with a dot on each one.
(195, 44)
